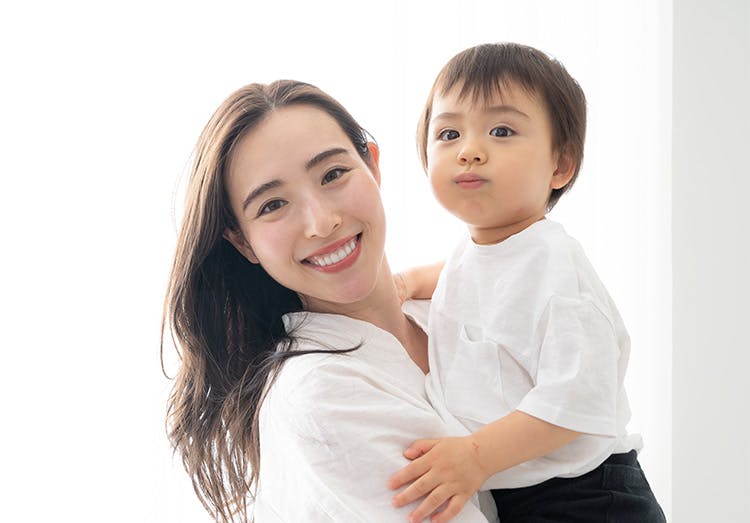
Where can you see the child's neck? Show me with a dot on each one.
(493, 235)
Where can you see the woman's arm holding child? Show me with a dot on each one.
(453, 469)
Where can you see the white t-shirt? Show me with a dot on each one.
(525, 324)
(333, 427)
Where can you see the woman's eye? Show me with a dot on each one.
(334, 174)
(502, 132)
(448, 134)
(271, 206)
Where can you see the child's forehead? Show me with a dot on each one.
(486, 95)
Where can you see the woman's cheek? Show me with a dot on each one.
(269, 242)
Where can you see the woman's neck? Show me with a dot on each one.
(382, 308)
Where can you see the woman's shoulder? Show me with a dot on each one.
(303, 385)
(316, 369)
(299, 368)
(324, 331)
(351, 358)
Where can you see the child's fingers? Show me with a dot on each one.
(423, 486)
(419, 448)
(401, 289)
(431, 503)
(449, 512)
(409, 473)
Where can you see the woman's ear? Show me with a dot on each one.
(566, 167)
(241, 244)
(374, 151)
(375, 155)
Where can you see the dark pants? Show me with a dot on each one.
(614, 492)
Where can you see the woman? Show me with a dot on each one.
(302, 379)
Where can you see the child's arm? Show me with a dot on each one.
(418, 282)
(453, 469)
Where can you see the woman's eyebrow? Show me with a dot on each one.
(260, 190)
(315, 160)
(323, 156)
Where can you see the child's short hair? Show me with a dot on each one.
(483, 71)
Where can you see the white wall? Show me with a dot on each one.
(100, 105)
(711, 253)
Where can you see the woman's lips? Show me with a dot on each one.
(337, 256)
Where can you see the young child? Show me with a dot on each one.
(527, 348)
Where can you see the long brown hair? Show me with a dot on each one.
(484, 70)
(225, 313)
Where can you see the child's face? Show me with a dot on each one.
(493, 165)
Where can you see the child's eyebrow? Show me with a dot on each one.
(508, 109)
(496, 109)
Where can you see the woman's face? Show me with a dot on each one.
(308, 207)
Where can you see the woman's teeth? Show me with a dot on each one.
(335, 256)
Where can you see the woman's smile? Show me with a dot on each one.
(337, 256)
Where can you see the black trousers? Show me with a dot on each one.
(614, 492)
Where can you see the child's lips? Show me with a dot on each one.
(469, 181)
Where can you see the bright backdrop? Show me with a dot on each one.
(100, 106)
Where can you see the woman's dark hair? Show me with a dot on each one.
(224, 313)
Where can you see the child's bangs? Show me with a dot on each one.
(481, 85)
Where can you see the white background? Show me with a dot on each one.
(100, 106)
(711, 254)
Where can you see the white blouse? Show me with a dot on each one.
(333, 427)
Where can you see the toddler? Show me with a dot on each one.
(526, 347)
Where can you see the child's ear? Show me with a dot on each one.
(566, 167)
(375, 155)
(241, 244)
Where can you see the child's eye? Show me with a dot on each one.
(502, 132)
(334, 174)
(447, 135)
(270, 206)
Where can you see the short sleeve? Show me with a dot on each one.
(576, 381)
(349, 431)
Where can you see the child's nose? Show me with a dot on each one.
(471, 153)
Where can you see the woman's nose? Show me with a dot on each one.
(471, 153)
(322, 219)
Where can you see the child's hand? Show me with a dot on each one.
(417, 283)
(401, 288)
(443, 470)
